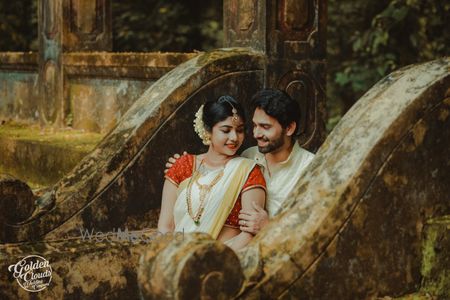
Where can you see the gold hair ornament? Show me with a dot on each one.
(235, 117)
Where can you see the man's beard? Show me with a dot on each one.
(273, 145)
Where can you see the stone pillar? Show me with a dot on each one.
(244, 24)
(292, 34)
(87, 25)
(67, 25)
(51, 98)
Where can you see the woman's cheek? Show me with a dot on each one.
(241, 137)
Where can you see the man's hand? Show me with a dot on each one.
(172, 160)
(253, 221)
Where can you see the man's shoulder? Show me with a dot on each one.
(303, 158)
(305, 153)
(250, 153)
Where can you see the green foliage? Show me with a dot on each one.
(18, 25)
(138, 25)
(369, 39)
(161, 25)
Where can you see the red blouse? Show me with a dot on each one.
(184, 166)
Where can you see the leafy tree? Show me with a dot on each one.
(18, 25)
(369, 39)
(161, 25)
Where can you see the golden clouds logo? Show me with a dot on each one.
(33, 273)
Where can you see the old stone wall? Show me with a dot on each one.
(99, 87)
(18, 86)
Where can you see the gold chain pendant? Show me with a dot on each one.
(204, 191)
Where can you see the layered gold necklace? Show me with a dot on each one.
(205, 189)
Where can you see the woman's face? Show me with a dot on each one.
(227, 136)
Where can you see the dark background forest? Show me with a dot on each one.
(366, 40)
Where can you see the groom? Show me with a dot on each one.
(275, 127)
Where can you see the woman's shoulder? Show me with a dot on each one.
(181, 169)
(186, 158)
(255, 179)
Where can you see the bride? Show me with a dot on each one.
(205, 192)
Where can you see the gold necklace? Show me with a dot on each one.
(205, 189)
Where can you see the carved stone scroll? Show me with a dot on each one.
(301, 88)
(306, 84)
(16, 200)
(192, 266)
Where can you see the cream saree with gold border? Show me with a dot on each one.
(218, 203)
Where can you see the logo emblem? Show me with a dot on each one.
(33, 273)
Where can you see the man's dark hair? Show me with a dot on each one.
(279, 105)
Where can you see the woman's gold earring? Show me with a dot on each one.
(207, 139)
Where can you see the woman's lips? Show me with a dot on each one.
(232, 146)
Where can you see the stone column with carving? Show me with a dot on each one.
(67, 25)
(87, 25)
(51, 98)
(292, 34)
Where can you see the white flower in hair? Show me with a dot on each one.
(199, 127)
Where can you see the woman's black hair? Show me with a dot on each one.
(219, 110)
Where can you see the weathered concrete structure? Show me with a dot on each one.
(354, 224)
(362, 223)
(99, 87)
(67, 26)
(292, 35)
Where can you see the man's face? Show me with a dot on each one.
(268, 132)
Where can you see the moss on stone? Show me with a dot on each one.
(75, 139)
(41, 156)
(415, 296)
(436, 257)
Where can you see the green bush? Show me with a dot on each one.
(161, 25)
(369, 39)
